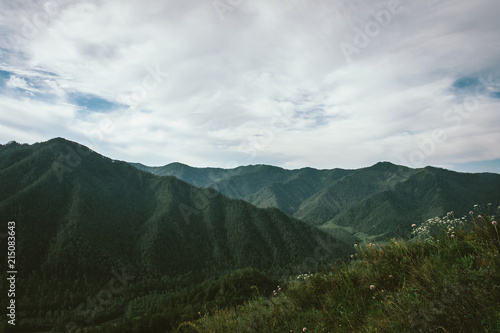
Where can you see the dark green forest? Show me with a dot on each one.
(372, 203)
(86, 223)
(102, 246)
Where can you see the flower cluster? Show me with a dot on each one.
(303, 277)
(433, 226)
(277, 292)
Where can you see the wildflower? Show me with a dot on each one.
(390, 276)
(413, 225)
(372, 287)
(304, 329)
(355, 245)
(494, 223)
(471, 212)
(475, 206)
(452, 236)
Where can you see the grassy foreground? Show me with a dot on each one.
(446, 279)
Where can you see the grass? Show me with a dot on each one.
(333, 229)
(445, 279)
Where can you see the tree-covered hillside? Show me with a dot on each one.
(82, 218)
(376, 202)
(445, 279)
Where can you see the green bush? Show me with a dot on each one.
(445, 279)
(187, 327)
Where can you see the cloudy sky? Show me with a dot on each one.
(235, 82)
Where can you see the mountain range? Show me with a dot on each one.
(371, 203)
(193, 238)
(81, 216)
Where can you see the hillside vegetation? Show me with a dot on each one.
(446, 279)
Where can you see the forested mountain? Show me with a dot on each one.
(375, 202)
(98, 240)
(263, 185)
(81, 218)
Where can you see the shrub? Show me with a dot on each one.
(445, 279)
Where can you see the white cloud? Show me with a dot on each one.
(34, 121)
(17, 82)
(268, 84)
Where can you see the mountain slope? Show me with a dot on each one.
(262, 185)
(375, 202)
(426, 193)
(80, 216)
(161, 222)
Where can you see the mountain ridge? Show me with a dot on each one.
(80, 215)
(96, 179)
(324, 197)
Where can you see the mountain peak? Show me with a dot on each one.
(384, 166)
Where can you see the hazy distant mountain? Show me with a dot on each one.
(379, 201)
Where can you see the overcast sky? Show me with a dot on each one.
(294, 83)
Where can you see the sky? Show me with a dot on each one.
(323, 84)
